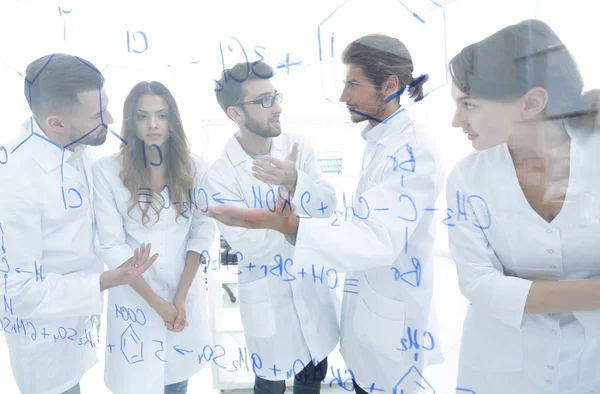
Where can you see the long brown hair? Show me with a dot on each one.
(180, 170)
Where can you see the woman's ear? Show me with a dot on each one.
(533, 103)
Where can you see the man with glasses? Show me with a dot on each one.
(288, 315)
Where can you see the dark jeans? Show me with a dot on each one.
(177, 388)
(73, 390)
(358, 390)
(307, 381)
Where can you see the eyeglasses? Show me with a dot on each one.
(266, 102)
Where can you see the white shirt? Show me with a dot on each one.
(391, 233)
(289, 318)
(500, 245)
(119, 233)
(47, 228)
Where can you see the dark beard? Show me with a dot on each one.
(376, 113)
(260, 130)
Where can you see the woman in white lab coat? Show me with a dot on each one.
(524, 212)
(147, 193)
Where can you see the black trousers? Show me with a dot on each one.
(358, 390)
(307, 381)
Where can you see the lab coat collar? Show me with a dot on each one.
(238, 155)
(399, 120)
(48, 154)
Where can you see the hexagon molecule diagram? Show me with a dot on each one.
(132, 346)
(413, 382)
(419, 24)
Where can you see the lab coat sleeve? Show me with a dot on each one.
(52, 295)
(311, 188)
(383, 220)
(257, 243)
(203, 230)
(112, 247)
(480, 274)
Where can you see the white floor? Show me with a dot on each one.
(450, 306)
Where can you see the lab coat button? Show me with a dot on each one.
(553, 332)
(549, 381)
(550, 251)
(550, 367)
(549, 231)
(552, 266)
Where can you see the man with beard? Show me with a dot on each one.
(53, 281)
(289, 322)
(387, 249)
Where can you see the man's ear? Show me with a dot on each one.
(533, 103)
(56, 123)
(235, 113)
(391, 85)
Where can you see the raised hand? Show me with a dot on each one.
(276, 171)
(130, 270)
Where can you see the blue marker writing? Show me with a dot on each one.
(4, 153)
(135, 35)
(78, 197)
(62, 12)
(132, 346)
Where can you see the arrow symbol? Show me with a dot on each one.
(180, 350)
(223, 200)
(20, 271)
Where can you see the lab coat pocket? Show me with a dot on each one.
(588, 373)
(379, 322)
(256, 309)
(490, 346)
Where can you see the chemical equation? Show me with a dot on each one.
(5, 270)
(17, 326)
(132, 348)
(282, 269)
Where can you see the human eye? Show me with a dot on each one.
(267, 101)
(468, 106)
(140, 116)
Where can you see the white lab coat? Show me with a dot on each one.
(38, 228)
(378, 306)
(284, 319)
(118, 235)
(500, 244)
